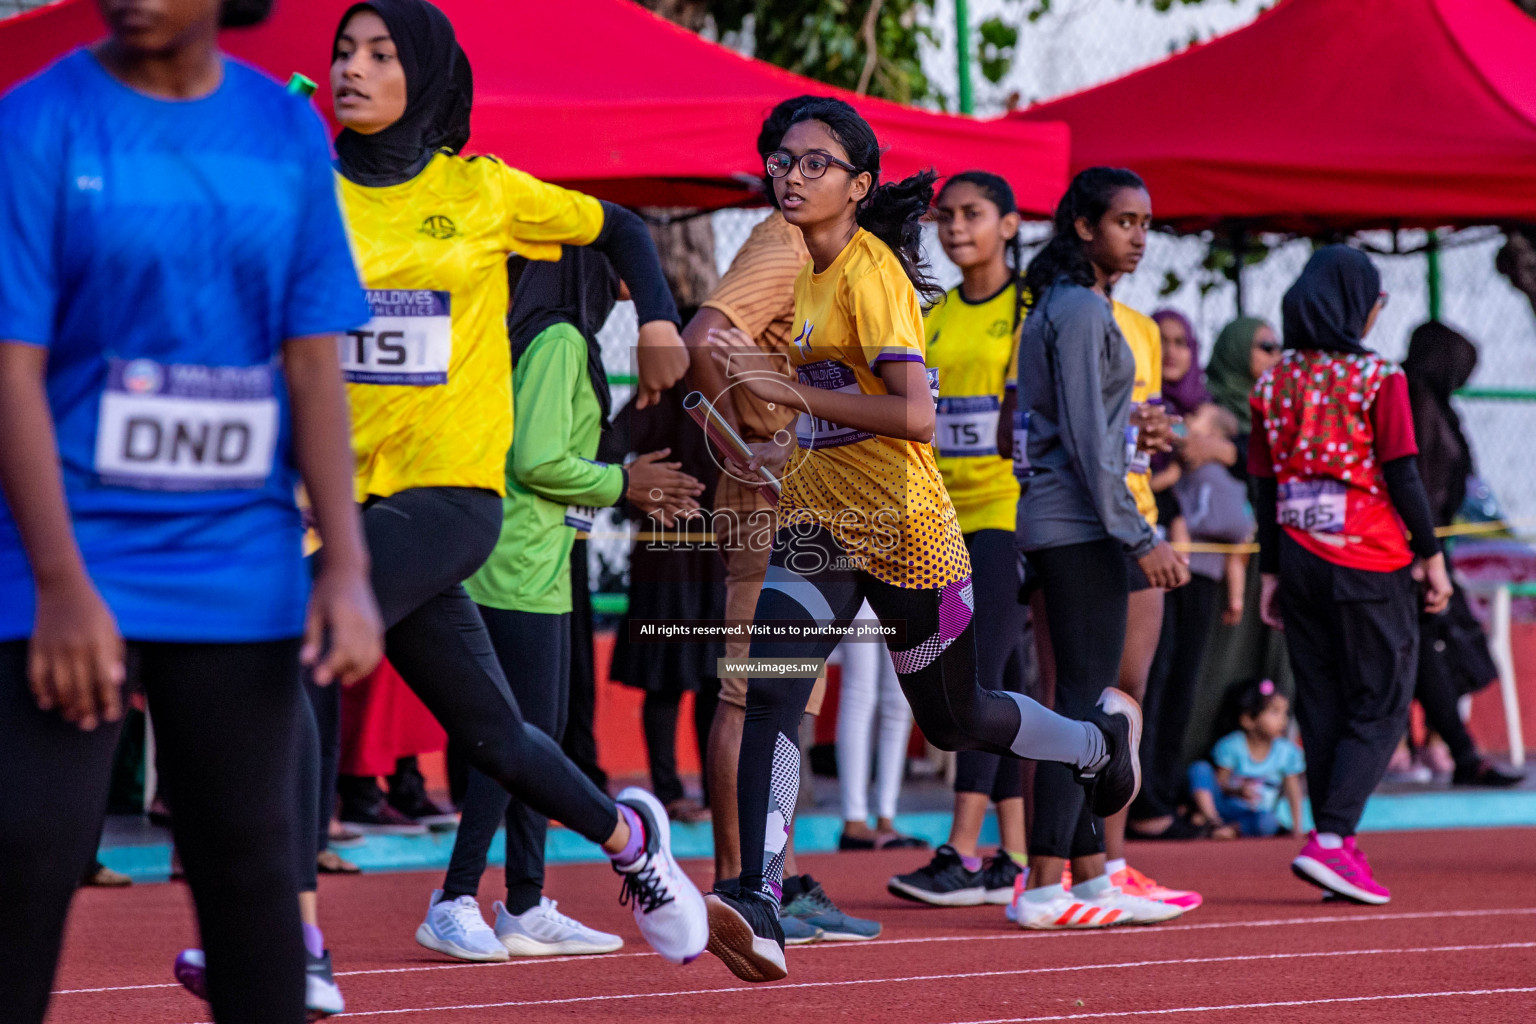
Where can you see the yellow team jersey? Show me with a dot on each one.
(430, 377)
(1146, 342)
(882, 498)
(971, 345)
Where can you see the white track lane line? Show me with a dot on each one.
(1011, 933)
(1020, 972)
(1261, 1006)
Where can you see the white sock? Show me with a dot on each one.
(1330, 840)
(1092, 888)
(1113, 866)
(1044, 894)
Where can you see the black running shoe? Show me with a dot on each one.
(1484, 773)
(1115, 784)
(744, 932)
(997, 876)
(942, 882)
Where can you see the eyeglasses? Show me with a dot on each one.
(813, 164)
(1269, 348)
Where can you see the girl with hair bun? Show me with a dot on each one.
(864, 514)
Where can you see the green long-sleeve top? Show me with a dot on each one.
(553, 484)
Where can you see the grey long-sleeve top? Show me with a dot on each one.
(1075, 377)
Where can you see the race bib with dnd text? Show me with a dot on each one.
(408, 342)
(186, 427)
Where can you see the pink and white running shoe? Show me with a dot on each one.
(1134, 883)
(1343, 871)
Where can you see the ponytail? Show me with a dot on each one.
(892, 213)
(1088, 198)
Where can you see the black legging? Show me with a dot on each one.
(227, 721)
(658, 719)
(536, 650)
(423, 543)
(1086, 590)
(1189, 613)
(808, 585)
(999, 656)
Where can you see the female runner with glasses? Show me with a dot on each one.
(864, 515)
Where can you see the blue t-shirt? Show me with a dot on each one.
(162, 251)
(1285, 759)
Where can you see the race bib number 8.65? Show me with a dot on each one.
(1317, 506)
(408, 342)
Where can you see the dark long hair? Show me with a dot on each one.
(893, 212)
(996, 190)
(1089, 197)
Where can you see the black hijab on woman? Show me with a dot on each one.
(439, 91)
(579, 289)
(1330, 302)
(1440, 360)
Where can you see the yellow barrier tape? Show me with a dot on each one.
(1193, 547)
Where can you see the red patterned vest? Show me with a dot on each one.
(1315, 410)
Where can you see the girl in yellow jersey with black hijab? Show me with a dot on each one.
(864, 515)
(429, 380)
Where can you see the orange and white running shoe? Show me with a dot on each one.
(1134, 883)
(1061, 911)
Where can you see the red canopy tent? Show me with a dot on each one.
(1329, 114)
(627, 106)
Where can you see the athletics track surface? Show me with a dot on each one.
(1459, 940)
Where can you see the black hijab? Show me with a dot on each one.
(1330, 302)
(579, 289)
(438, 92)
(1440, 360)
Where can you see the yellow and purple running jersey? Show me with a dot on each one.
(881, 497)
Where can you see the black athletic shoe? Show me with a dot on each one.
(942, 882)
(1115, 784)
(744, 932)
(997, 876)
(1484, 773)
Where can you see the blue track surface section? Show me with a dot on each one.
(817, 833)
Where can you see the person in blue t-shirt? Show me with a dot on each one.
(1238, 789)
(173, 273)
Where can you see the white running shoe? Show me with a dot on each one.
(668, 907)
(544, 931)
(1061, 911)
(322, 996)
(1120, 907)
(456, 928)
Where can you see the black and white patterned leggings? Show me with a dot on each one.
(934, 652)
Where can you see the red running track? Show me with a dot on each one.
(1459, 939)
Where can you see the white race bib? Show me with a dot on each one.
(967, 426)
(1021, 443)
(581, 517)
(812, 432)
(186, 427)
(1137, 460)
(408, 342)
(1316, 505)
